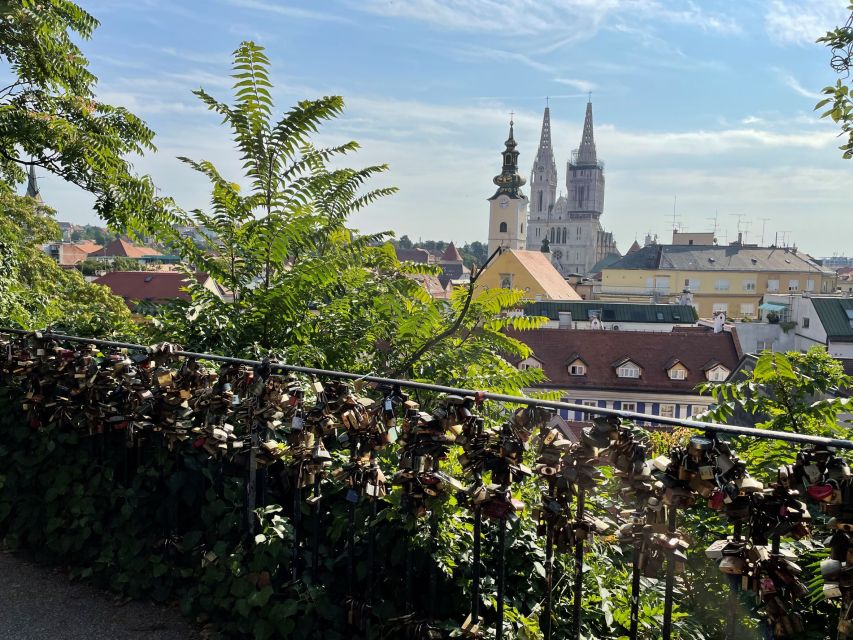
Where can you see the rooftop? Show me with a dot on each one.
(153, 286)
(653, 352)
(614, 311)
(719, 258)
(836, 315)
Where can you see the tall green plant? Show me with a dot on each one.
(300, 282)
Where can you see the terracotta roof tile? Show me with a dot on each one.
(154, 286)
(120, 248)
(451, 254)
(651, 350)
(540, 267)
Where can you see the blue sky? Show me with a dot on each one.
(710, 102)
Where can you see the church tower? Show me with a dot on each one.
(33, 190)
(543, 176)
(585, 176)
(508, 207)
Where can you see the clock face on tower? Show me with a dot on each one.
(503, 202)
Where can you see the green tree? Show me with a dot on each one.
(840, 95)
(404, 242)
(307, 286)
(50, 116)
(35, 292)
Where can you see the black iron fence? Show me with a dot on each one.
(260, 416)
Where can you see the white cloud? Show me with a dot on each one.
(583, 86)
(804, 21)
(290, 12)
(488, 53)
(794, 84)
(566, 18)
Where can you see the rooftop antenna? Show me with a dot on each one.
(675, 224)
(714, 220)
(763, 224)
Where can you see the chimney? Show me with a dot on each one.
(719, 321)
(565, 319)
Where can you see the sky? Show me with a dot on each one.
(703, 110)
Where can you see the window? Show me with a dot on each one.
(718, 374)
(773, 284)
(721, 307)
(577, 368)
(628, 370)
(721, 285)
(667, 411)
(629, 406)
(564, 235)
(552, 234)
(522, 227)
(692, 284)
(677, 373)
(502, 228)
(805, 323)
(696, 409)
(747, 309)
(662, 283)
(529, 364)
(809, 285)
(587, 417)
(506, 281)
(849, 313)
(793, 285)
(540, 200)
(749, 285)
(763, 345)
(579, 233)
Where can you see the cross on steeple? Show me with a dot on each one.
(511, 116)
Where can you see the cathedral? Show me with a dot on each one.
(567, 227)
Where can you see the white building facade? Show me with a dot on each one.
(569, 225)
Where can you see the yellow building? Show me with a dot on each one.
(530, 271)
(731, 279)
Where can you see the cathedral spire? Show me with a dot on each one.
(509, 181)
(586, 152)
(33, 190)
(545, 137)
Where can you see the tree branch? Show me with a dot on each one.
(453, 328)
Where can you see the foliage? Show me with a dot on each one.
(839, 98)
(794, 392)
(51, 118)
(36, 293)
(304, 285)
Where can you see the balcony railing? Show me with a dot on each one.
(362, 411)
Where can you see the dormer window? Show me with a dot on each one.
(576, 366)
(676, 370)
(529, 363)
(717, 374)
(628, 370)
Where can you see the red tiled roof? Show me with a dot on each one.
(119, 248)
(651, 350)
(451, 254)
(87, 245)
(71, 254)
(634, 248)
(154, 286)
